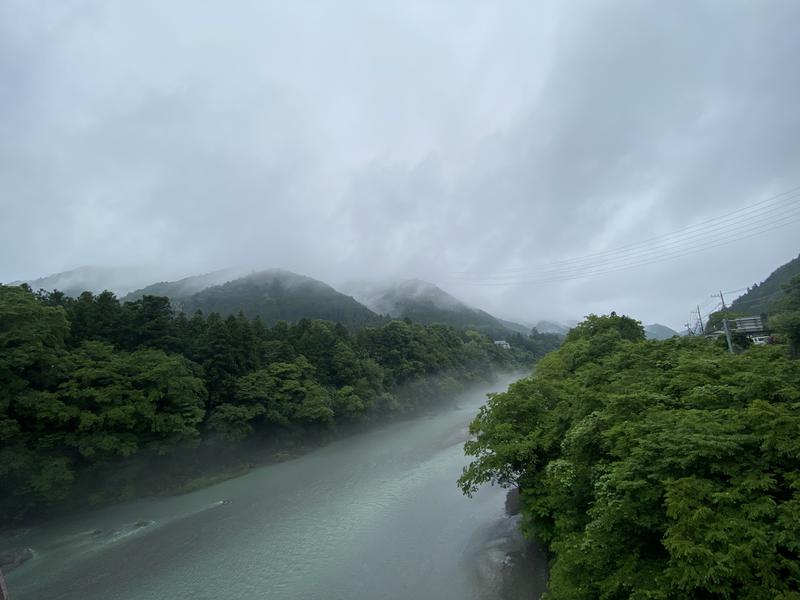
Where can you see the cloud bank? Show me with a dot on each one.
(444, 141)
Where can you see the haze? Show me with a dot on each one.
(444, 141)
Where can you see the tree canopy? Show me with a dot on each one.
(88, 382)
(652, 469)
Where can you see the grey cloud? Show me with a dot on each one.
(410, 139)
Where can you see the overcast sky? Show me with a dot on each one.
(473, 144)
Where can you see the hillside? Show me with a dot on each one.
(551, 327)
(94, 279)
(276, 295)
(759, 298)
(183, 288)
(514, 326)
(656, 331)
(425, 303)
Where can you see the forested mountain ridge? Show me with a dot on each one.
(426, 303)
(277, 295)
(178, 290)
(656, 331)
(761, 298)
(271, 294)
(93, 392)
(517, 327)
(119, 280)
(765, 298)
(551, 327)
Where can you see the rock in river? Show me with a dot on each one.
(11, 559)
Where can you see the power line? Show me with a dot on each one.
(707, 305)
(720, 233)
(735, 291)
(764, 228)
(722, 222)
(721, 236)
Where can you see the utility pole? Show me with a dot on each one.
(700, 318)
(689, 329)
(721, 298)
(727, 335)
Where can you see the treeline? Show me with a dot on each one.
(89, 382)
(654, 469)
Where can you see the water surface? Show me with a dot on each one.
(373, 516)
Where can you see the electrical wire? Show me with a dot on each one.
(759, 224)
(722, 222)
(727, 228)
(764, 228)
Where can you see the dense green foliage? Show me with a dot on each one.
(653, 469)
(786, 315)
(88, 382)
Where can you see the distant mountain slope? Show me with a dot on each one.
(93, 279)
(425, 303)
(759, 298)
(657, 331)
(183, 288)
(551, 327)
(513, 326)
(276, 295)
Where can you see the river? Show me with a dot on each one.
(373, 516)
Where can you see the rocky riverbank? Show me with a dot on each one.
(507, 566)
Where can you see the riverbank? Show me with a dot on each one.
(374, 516)
(215, 461)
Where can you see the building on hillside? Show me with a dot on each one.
(753, 327)
(503, 344)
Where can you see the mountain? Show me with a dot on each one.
(759, 298)
(275, 295)
(424, 302)
(183, 288)
(518, 327)
(551, 327)
(93, 279)
(657, 331)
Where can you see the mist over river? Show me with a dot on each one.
(373, 516)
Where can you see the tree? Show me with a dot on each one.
(118, 403)
(150, 324)
(93, 392)
(652, 469)
(787, 319)
(31, 348)
(287, 393)
(61, 411)
(347, 404)
(215, 352)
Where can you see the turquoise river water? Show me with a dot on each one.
(373, 516)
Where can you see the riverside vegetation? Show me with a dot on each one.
(102, 400)
(655, 469)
